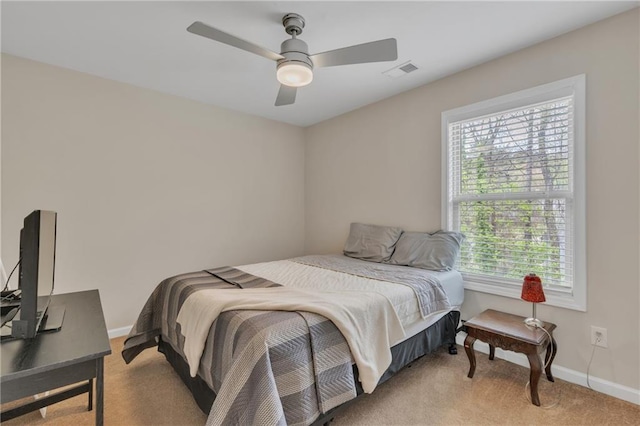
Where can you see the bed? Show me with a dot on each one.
(294, 341)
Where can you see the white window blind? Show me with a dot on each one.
(511, 192)
(513, 183)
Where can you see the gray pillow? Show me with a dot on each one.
(371, 242)
(438, 251)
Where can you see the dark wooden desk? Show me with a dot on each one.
(54, 359)
(509, 332)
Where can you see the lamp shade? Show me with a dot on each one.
(532, 289)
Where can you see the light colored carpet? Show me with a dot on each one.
(435, 390)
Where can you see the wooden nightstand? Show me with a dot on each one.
(509, 332)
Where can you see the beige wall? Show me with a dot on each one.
(381, 164)
(146, 185)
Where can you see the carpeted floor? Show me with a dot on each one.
(435, 390)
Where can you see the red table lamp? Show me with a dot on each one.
(532, 292)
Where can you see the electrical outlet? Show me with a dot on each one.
(599, 336)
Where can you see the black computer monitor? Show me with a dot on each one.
(37, 268)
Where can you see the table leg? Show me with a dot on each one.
(534, 377)
(468, 347)
(90, 395)
(492, 352)
(99, 391)
(552, 350)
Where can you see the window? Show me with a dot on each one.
(513, 183)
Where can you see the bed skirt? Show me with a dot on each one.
(442, 332)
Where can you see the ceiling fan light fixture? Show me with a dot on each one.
(294, 64)
(294, 74)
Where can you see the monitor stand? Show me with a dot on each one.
(53, 319)
(52, 322)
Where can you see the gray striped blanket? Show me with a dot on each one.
(266, 367)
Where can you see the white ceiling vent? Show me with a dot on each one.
(400, 70)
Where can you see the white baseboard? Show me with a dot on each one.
(600, 385)
(119, 332)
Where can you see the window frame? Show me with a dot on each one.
(575, 86)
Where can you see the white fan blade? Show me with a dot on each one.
(214, 34)
(286, 95)
(375, 51)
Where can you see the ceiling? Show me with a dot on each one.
(146, 44)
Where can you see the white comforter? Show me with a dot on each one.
(367, 320)
(305, 277)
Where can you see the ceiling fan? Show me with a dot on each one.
(294, 64)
